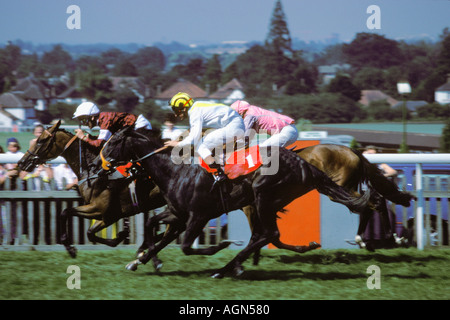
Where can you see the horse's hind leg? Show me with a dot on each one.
(299, 249)
(193, 230)
(100, 225)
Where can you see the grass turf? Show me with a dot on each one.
(321, 274)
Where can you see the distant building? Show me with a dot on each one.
(228, 93)
(34, 91)
(442, 94)
(411, 105)
(15, 110)
(327, 73)
(71, 96)
(132, 83)
(181, 85)
(368, 96)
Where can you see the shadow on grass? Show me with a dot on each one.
(348, 258)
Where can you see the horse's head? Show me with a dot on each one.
(46, 148)
(126, 145)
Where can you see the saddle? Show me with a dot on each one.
(239, 163)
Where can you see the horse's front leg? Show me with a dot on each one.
(87, 212)
(175, 229)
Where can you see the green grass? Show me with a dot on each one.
(321, 274)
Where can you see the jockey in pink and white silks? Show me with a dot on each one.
(281, 128)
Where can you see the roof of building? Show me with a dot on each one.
(71, 92)
(445, 86)
(411, 105)
(11, 100)
(224, 91)
(368, 96)
(182, 86)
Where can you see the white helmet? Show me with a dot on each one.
(86, 109)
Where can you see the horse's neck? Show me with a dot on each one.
(72, 157)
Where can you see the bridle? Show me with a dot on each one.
(37, 159)
(107, 164)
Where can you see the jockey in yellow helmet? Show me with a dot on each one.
(228, 125)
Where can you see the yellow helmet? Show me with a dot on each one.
(181, 100)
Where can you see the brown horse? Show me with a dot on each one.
(350, 169)
(106, 201)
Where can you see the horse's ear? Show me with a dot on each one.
(55, 126)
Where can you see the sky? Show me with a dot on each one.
(203, 21)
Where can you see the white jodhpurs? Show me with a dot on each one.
(218, 137)
(288, 135)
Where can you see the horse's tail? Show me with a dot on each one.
(336, 193)
(375, 179)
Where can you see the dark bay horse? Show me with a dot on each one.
(187, 188)
(103, 203)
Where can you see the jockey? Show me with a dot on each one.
(281, 128)
(109, 122)
(227, 122)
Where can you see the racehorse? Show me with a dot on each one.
(187, 188)
(103, 202)
(348, 168)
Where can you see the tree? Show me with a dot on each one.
(96, 86)
(149, 57)
(125, 68)
(278, 65)
(372, 50)
(126, 100)
(302, 80)
(213, 73)
(57, 61)
(369, 78)
(343, 84)
(445, 138)
(278, 38)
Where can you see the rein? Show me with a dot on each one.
(106, 165)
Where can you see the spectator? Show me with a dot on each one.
(171, 132)
(13, 173)
(42, 172)
(64, 177)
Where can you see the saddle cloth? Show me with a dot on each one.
(240, 163)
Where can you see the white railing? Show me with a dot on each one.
(419, 160)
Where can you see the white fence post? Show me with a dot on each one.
(420, 206)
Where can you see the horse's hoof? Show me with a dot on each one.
(72, 251)
(238, 271)
(217, 275)
(133, 265)
(314, 245)
(157, 265)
